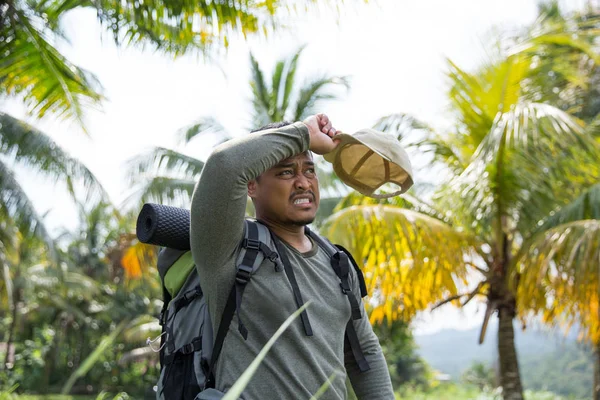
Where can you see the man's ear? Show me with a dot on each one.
(252, 188)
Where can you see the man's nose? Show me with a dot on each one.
(302, 182)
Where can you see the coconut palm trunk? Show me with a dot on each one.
(12, 328)
(510, 379)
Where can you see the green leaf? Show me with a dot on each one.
(410, 260)
(33, 68)
(585, 206)
(203, 127)
(527, 164)
(93, 358)
(161, 160)
(35, 150)
(313, 92)
(260, 94)
(16, 208)
(326, 385)
(559, 277)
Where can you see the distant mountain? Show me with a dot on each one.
(547, 360)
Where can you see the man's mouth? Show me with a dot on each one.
(303, 200)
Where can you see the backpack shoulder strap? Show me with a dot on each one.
(340, 260)
(254, 250)
(341, 266)
(359, 273)
(289, 272)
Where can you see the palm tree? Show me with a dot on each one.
(23, 145)
(34, 70)
(511, 166)
(167, 176)
(48, 83)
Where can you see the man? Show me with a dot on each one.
(275, 168)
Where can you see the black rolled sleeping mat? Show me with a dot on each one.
(164, 226)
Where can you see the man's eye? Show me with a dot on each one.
(310, 171)
(286, 172)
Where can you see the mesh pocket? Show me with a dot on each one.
(179, 380)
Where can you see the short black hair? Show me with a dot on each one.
(272, 125)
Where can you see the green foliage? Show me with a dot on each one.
(64, 311)
(444, 391)
(33, 68)
(451, 391)
(547, 361)
(514, 162)
(399, 349)
(567, 372)
(481, 376)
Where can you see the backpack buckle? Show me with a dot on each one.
(345, 287)
(251, 244)
(187, 349)
(243, 274)
(192, 294)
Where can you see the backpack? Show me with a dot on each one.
(188, 353)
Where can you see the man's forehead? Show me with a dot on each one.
(302, 158)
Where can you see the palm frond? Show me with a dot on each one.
(33, 68)
(559, 277)
(290, 80)
(406, 201)
(577, 37)
(444, 150)
(314, 91)
(410, 260)
(178, 28)
(528, 163)
(274, 109)
(35, 150)
(585, 206)
(403, 126)
(202, 127)
(17, 210)
(479, 98)
(260, 94)
(55, 10)
(161, 160)
(165, 190)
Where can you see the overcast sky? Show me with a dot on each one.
(394, 50)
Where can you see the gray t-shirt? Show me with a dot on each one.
(298, 365)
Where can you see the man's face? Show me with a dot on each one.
(288, 193)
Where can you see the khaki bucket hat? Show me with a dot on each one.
(368, 159)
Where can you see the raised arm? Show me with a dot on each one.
(219, 199)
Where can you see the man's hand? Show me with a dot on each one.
(321, 134)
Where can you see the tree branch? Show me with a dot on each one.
(448, 300)
(470, 296)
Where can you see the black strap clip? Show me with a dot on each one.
(345, 286)
(192, 294)
(243, 274)
(251, 244)
(187, 349)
